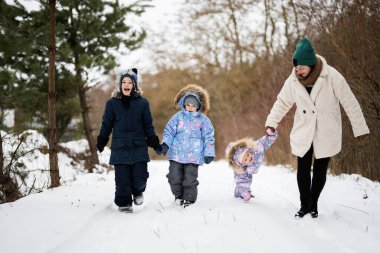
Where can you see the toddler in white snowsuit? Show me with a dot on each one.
(245, 157)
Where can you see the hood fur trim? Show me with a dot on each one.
(233, 146)
(201, 92)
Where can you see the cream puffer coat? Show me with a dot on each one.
(317, 119)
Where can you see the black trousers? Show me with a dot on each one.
(311, 188)
(130, 180)
(183, 180)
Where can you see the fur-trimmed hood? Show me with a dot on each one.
(232, 147)
(201, 92)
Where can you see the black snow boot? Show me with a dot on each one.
(313, 209)
(178, 200)
(126, 209)
(302, 212)
(187, 203)
(139, 199)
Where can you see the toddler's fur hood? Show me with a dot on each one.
(201, 92)
(233, 146)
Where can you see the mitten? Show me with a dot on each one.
(101, 143)
(153, 142)
(159, 151)
(208, 159)
(164, 148)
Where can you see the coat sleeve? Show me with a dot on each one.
(108, 120)
(267, 140)
(170, 130)
(351, 106)
(208, 137)
(148, 121)
(282, 105)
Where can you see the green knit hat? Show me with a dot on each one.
(304, 54)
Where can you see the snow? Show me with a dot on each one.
(80, 215)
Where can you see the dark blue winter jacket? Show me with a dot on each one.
(130, 127)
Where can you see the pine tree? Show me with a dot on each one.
(91, 30)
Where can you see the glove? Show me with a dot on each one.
(270, 131)
(164, 148)
(153, 142)
(101, 143)
(158, 150)
(208, 159)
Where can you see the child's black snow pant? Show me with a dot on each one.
(310, 189)
(183, 180)
(130, 179)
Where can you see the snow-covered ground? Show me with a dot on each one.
(80, 215)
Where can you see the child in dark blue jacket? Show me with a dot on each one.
(127, 115)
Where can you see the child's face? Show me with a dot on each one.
(126, 86)
(190, 108)
(247, 158)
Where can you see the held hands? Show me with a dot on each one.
(164, 149)
(153, 142)
(208, 159)
(362, 138)
(101, 143)
(270, 131)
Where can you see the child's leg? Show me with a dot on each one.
(123, 181)
(175, 177)
(243, 191)
(190, 182)
(140, 176)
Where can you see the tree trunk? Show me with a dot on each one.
(295, 12)
(87, 128)
(53, 157)
(236, 32)
(1, 155)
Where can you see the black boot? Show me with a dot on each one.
(302, 212)
(187, 203)
(305, 205)
(313, 209)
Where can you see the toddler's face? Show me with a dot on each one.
(247, 158)
(190, 107)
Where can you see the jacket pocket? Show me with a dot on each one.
(118, 143)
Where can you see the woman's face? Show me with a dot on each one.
(303, 71)
(126, 86)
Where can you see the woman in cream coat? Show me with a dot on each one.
(317, 89)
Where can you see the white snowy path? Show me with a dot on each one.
(81, 217)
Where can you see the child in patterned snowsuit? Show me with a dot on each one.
(245, 156)
(189, 137)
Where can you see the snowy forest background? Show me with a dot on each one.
(240, 51)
